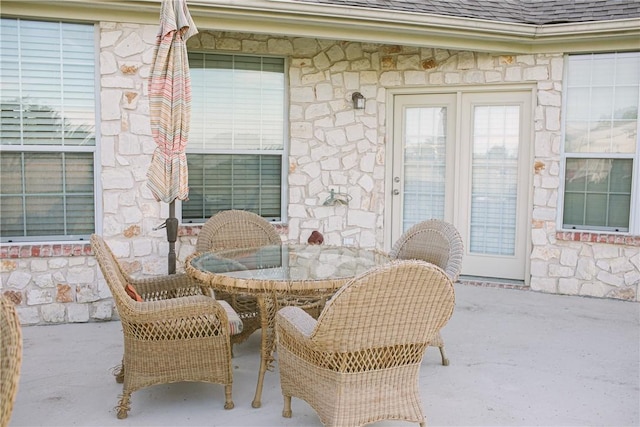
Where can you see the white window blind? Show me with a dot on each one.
(496, 139)
(47, 126)
(601, 141)
(236, 140)
(424, 164)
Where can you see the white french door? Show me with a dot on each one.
(463, 157)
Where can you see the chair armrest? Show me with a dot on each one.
(295, 322)
(167, 287)
(182, 308)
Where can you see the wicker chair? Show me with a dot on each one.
(359, 362)
(177, 333)
(235, 229)
(10, 358)
(437, 242)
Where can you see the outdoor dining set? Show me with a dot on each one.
(349, 325)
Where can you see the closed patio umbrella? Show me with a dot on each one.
(170, 113)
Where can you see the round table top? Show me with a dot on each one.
(288, 269)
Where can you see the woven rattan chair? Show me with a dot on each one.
(10, 358)
(177, 333)
(235, 229)
(359, 362)
(439, 243)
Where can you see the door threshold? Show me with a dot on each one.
(493, 282)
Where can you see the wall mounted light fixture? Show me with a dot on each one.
(358, 100)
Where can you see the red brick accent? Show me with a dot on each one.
(613, 239)
(84, 249)
(39, 251)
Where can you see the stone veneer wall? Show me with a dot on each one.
(332, 146)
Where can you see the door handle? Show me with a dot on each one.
(396, 192)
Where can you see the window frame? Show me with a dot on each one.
(634, 208)
(284, 153)
(94, 150)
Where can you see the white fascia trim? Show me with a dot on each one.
(298, 19)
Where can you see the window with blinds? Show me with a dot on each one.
(601, 144)
(47, 124)
(236, 140)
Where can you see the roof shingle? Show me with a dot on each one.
(536, 12)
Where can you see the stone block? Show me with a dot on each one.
(43, 280)
(81, 274)
(632, 278)
(64, 293)
(28, 315)
(132, 44)
(556, 270)
(543, 284)
(87, 293)
(391, 78)
(586, 269)
(539, 237)
(109, 38)
(594, 289)
(620, 265)
(361, 219)
(78, 313)
(53, 313)
(536, 73)
(610, 279)
(627, 293)
(568, 286)
(569, 257)
(101, 310)
(19, 279)
(601, 251)
(415, 77)
(110, 104)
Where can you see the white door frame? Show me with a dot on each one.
(459, 90)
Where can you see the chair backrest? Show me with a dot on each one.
(434, 241)
(387, 306)
(235, 229)
(113, 273)
(10, 358)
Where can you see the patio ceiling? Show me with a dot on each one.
(304, 19)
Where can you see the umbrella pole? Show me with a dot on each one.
(172, 236)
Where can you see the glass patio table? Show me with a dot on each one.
(281, 275)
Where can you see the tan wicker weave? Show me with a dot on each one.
(176, 334)
(437, 242)
(359, 362)
(309, 274)
(10, 358)
(235, 229)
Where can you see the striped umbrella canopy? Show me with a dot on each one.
(170, 103)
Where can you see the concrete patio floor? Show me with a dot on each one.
(518, 358)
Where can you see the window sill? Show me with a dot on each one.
(591, 237)
(26, 250)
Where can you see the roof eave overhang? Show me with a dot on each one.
(298, 19)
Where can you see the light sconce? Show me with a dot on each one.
(358, 100)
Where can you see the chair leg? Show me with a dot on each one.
(228, 404)
(124, 405)
(443, 354)
(286, 412)
(118, 372)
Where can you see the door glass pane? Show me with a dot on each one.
(496, 139)
(424, 164)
